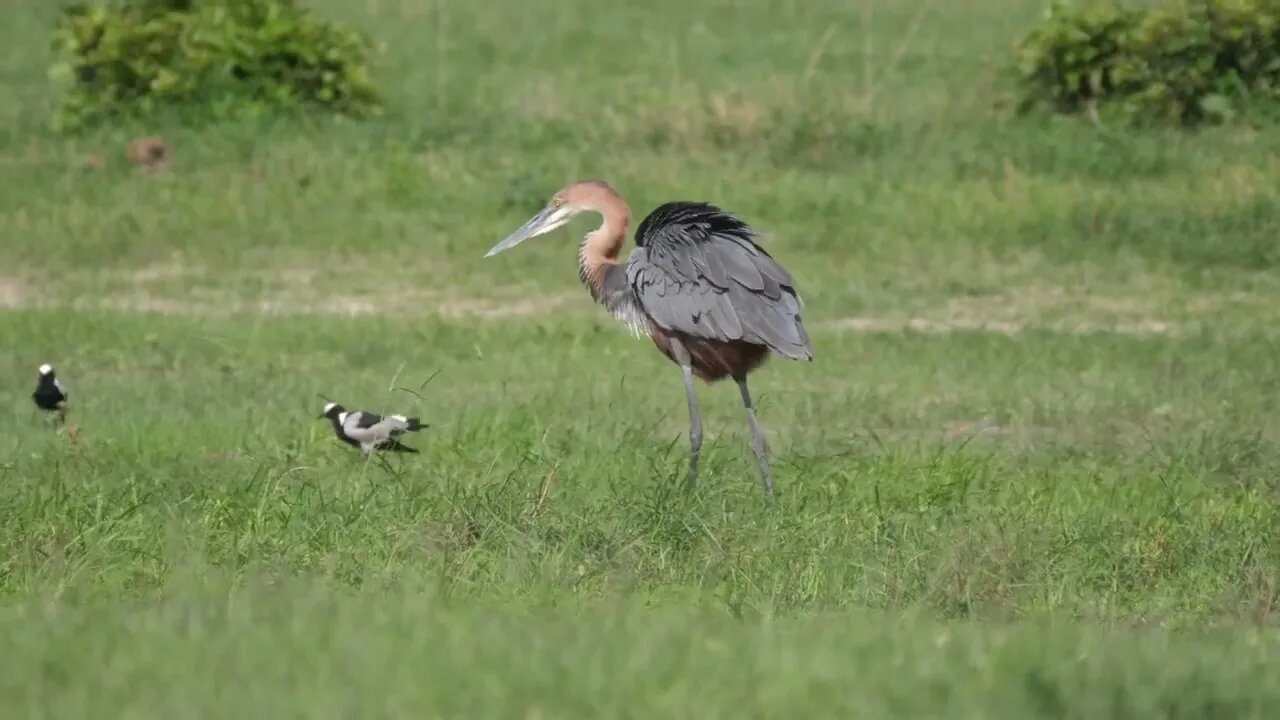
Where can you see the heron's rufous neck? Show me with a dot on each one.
(600, 248)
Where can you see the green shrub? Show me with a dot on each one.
(226, 57)
(1188, 61)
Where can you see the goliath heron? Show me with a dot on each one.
(711, 299)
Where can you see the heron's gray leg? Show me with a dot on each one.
(757, 438)
(695, 420)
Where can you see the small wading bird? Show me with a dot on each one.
(370, 432)
(710, 298)
(50, 395)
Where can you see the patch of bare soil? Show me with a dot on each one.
(287, 304)
(290, 292)
(13, 292)
(527, 306)
(1028, 308)
(942, 326)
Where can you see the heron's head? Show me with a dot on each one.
(572, 200)
(332, 411)
(46, 369)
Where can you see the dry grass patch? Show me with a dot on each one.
(13, 292)
(1035, 305)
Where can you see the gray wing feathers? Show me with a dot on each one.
(721, 287)
(368, 428)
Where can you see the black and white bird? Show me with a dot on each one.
(50, 395)
(369, 431)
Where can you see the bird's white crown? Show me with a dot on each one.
(45, 369)
(330, 406)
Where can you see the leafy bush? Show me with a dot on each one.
(1189, 60)
(229, 57)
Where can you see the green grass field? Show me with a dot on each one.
(1034, 470)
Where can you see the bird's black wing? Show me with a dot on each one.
(367, 419)
(698, 270)
(395, 446)
(49, 394)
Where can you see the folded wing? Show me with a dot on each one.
(698, 270)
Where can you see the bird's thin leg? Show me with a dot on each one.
(757, 438)
(383, 462)
(695, 420)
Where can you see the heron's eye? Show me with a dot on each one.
(557, 202)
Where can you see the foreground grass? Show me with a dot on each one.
(1032, 472)
(316, 650)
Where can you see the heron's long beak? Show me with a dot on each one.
(549, 219)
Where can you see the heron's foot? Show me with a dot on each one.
(758, 444)
(762, 461)
(692, 481)
(766, 479)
